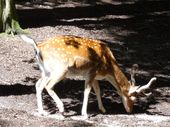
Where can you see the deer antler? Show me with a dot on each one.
(139, 89)
(144, 87)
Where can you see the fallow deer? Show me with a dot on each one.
(81, 59)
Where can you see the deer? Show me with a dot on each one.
(80, 58)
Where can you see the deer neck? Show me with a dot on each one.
(120, 79)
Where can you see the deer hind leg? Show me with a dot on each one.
(55, 78)
(41, 83)
(97, 91)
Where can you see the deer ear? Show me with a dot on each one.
(135, 66)
(133, 73)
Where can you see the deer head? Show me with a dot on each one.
(129, 98)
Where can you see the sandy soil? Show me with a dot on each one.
(135, 36)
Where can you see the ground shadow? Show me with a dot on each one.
(16, 89)
(91, 14)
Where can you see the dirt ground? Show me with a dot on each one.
(137, 32)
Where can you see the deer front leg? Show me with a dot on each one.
(88, 86)
(97, 91)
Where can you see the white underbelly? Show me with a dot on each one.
(82, 75)
(77, 75)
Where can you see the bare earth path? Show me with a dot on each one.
(134, 38)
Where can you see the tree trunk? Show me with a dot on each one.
(8, 17)
(1, 8)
